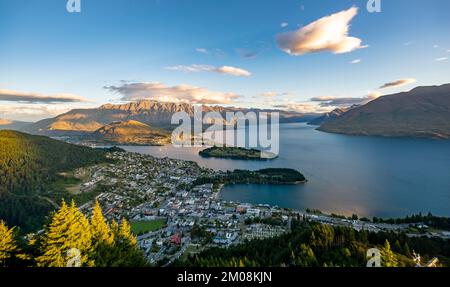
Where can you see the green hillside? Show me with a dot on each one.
(314, 245)
(28, 166)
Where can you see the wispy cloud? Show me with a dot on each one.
(201, 50)
(284, 24)
(32, 112)
(211, 52)
(307, 108)
(253, 50)
(356, 61)
(398, 83)
(177, 94)
(247, 54)
(228, 70)
(28, 97)
(271, 95)
(331, 101)
(441, 59)
(329, 33)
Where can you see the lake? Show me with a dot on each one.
(368, 176)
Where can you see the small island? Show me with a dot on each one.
(236, 153)
(264, 176)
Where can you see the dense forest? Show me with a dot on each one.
(429, 219)
(28, 165)
(72, 239)
(263, 176)
(234, 153)
(314, 245)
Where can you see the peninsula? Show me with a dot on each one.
(236, 153)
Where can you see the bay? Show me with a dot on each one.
(368, 176)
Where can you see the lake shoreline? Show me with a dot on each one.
(343, 173)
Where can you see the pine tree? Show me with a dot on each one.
(115, 228)
(125, 233)
(124, 252)
(406, 250)
(397, 247)
(100, 229)
(7, 243)
(388, 258)
(68, 231)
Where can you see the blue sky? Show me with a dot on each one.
(147, 49)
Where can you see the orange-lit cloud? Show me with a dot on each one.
(398, 83)
(329, 33)
(176, 94)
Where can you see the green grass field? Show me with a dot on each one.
(141, 227)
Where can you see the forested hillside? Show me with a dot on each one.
(315, 245)
(28, 164)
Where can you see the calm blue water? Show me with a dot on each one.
(364, 175)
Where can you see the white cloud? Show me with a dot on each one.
(441, 59)
(237, 72)
(191, 68)
(177, 94)
(398, 83)
(329, 33)
(233, 71)
(356, 61)
(284, 24)
(27, 97)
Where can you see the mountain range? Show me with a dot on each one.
(152, 113)
(423, 112)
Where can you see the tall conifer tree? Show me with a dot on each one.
(101, 232)
(68, 230)
(7, 243)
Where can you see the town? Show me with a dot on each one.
(174, 217)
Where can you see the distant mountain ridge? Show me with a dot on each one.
(132, 132)
(155, 114)
(423, 112)
(330, 116)
(12, 125)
